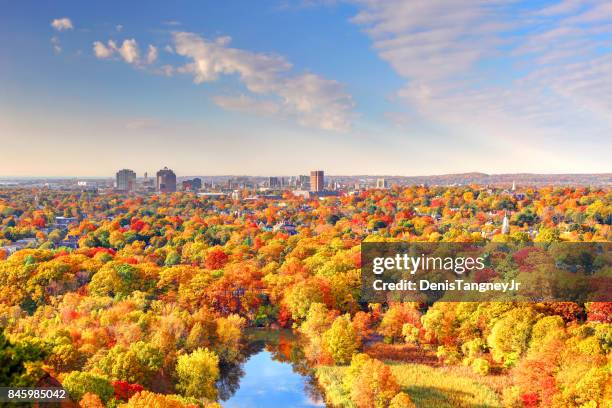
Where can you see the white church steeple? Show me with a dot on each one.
(506, 224)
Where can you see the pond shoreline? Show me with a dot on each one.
(275, 369)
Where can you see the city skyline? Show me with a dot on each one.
(377, 87)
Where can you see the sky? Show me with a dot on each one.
(280, 87)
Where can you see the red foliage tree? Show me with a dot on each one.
(599, 312)
(216, 259)
(124, 390)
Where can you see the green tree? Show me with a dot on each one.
(197, 373)
(20, 363)
(341, 340)
(78, 383)
(510, 336)
(136, 365)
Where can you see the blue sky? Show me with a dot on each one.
(280, 87)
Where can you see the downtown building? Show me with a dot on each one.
(126, 180)
(166, 181)
(194, 184)
(317, 181)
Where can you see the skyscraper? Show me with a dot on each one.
(317, 180)
(166, 181)
(274, 182)
(126, 180)
(303, 182)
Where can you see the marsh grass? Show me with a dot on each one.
(434, 387)
(428, 387)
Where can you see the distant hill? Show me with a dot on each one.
(601, 179)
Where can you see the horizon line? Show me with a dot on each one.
(480, 173)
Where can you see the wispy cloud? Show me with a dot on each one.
(501, 67)
(313, 100)
(152, 54)
(55, 42)
(247, 104)
(273, 86)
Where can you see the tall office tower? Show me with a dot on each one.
(274, 182)
(126, 180)
(166, 181)
(303, 182)
(317, 180)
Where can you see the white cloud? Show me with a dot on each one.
(104, 51)
(562, 7)
(129, 51)
(600, 11)
(152, 54)
(432, 39)
(313, 100)
(548, 79)
(309, 99)
(119, 28)
(166, 70)
(61, 24)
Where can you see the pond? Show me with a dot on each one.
(273, 374)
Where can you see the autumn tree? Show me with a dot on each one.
(401, 400)
(136, 364)
(370, 382)
(396, 316)
(79, 383)
(510, 336)
(341, 340)
(197, 373)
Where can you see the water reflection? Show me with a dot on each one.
(272, 373)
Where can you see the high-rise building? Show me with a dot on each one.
(166, 181)
(303, 182)
(274, 182)
(126, 180)
(381, 183)
(317, 180)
